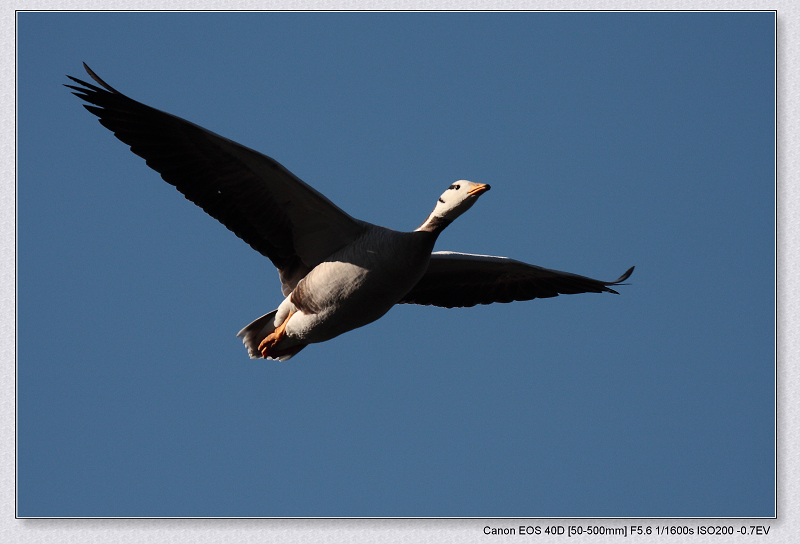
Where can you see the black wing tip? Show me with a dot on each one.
(625, 276)
(97, 80)
(619, 281)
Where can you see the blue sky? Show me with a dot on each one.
(609, 139)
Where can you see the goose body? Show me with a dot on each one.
(337, 273)
(353, 287)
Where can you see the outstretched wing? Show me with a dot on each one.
(259, 200)
(455, 280)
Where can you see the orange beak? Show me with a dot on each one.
(477, 189)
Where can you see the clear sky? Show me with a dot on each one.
(609, 140)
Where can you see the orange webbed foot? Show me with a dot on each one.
(267, 344)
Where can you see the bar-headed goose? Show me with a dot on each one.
(337, 273)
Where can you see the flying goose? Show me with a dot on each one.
(337, 273)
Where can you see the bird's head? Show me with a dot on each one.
(458, 198)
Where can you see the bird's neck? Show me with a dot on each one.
(434, 224)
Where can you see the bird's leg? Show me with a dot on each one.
(266, 345)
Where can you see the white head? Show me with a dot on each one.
(457, 199)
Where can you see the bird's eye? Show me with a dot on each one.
(455, 186)
(440, 200)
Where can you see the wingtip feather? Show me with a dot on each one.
(619, 281)
(625, 276)
(98, 80)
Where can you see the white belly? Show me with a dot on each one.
(354, 287)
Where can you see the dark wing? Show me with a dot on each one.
(455, 280)
(264, 204)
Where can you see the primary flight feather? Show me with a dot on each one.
(337, 273)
